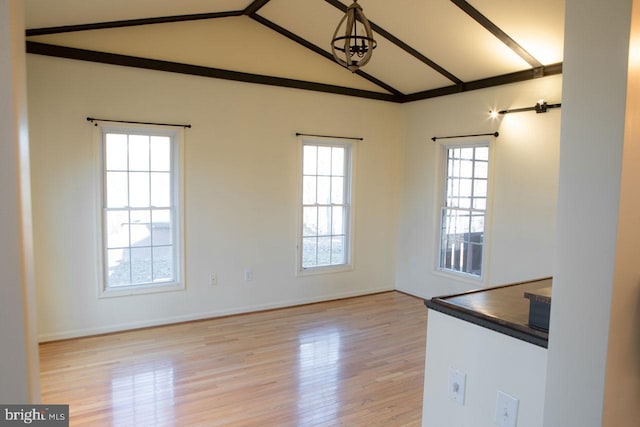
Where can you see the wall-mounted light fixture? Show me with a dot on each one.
(540, 107)
(352, 44)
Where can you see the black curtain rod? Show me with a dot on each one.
(329, 136)
(93, 120)
(538, 108)
(496, 134)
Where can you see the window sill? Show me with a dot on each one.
(140, 290)
(329, 269)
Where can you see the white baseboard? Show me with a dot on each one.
(76, 333)
(411, 292)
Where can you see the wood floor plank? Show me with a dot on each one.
(352, 362)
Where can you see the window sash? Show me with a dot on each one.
(147, 253)
(325, 239)
(464, 209)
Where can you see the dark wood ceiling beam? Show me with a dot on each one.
(194, 70)
(130, 23)
(402, 45)
(497, 31)
(255, 6)
(504, 79)
(292, 36)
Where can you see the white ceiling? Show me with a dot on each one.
(438, 30)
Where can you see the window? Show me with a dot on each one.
(326, 205)
(462, 227)
(140, 217)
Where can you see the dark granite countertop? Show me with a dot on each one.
(503, 309)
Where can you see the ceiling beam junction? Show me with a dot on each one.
(255, 6)
(497, 31)
(320, 51)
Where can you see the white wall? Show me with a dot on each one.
(19, 369)
(241, 186)
(492, 361)
(525, 171)
(595, 295)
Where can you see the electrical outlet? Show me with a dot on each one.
(213, 279)
(506, 410)
(248, 275)
(457, 385)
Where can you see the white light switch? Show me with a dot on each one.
(506, 410)
(457, 385)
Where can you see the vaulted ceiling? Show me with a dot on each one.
(425, 48)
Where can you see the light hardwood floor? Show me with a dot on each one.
(353, 362)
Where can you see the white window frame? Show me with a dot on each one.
(350, 149)
(177, 208)
(441, 205)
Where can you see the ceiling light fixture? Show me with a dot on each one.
(540, 107)
(351, 46)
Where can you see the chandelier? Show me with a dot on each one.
(353, 43)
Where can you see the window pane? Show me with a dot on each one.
(140, 228)
(160, 153)
(309, 252)
(482, 153)
(481, 170)
(116, 151)
(473, 259)
(466, 169)
(139, 152)
(310, 221)
(117, 229)
(464, 202)
(337, 220)
(479, 188)
(455, 168)
(141, 265)
(310, 154)
(118, 267)
(453, 188)
(337, 190)
(309, 190)
(324, 190)
(161, 227)
(324, 160)
(162, 263)
(480, 203)
(139, 189)
(477, 225)
(466, 153)
(337, 161)
(324, 250)
(160, 189)
(465, 188)
(337, 250)
(117, 195)
(324, 221)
